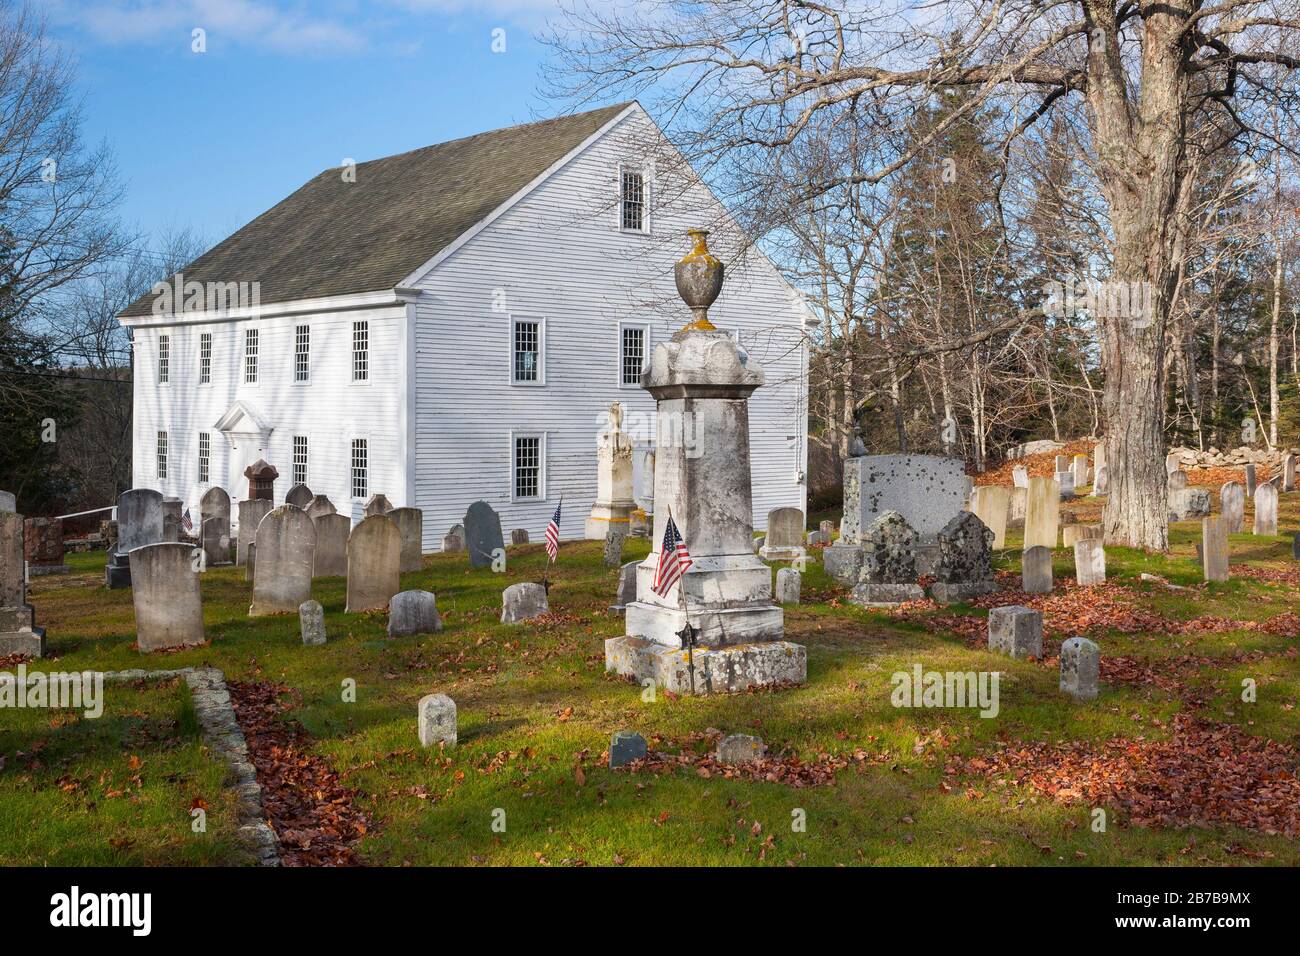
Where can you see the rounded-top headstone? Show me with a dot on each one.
(374, 564)
(482, 534)
(286, 552)
(299, 496)
(523, 602)
(413, 612)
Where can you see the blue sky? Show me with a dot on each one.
(284, 90)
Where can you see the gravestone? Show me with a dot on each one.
(888, 573)
(215, 503)
(454, 541)
(740, 749)
(331, 559)
(299, 496)
(482, 534)
(785, 535)
(311, 623)
(927, 490)
(374, 564)
(626, 586)
(1288, 473)
(139, 522)
(1065, 482)
(250, 565)
(251, 512)
(1177, 480)
(1036, 570)
(843, 562)
(320, 505)
(1017, 631)
(818, 538)
(1020, 476)
(165, 589)
(437, 721)
(1100, 477)
(1089, 562)
(43, 546)
(1214, 548)
(964, 567)
(377, 505)
(992, 504)
(614, 502)
(18, 631)
(1232, 503)
(1042, 513)
(614, 539)
(1295, 546)
(519, 536)
(700, 376)
(624, 747)
(410, 523)
(286, 551)
(214, 539)
(413, 612)
(1062, 463)
(1080, 668)
(523, 602)
(173, 518)
(827, 528)
(1250, 480)
(1266, 509)
(1081, 470)
(1073, 533)
(787, 586)
(1017, 506)
(1171, 462)
(1188, 503)
(8, 502)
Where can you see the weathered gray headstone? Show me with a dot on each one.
(320, 505)
(828, 527)
(1081, 470)
(1080, 668)
(1249, 471)
(1089, 562)
(626, 585)
(1062, 463)
(1020, 476)
(413, 612)
(740, 748)
(1177, 480)
(816, 538)
(214, 539)
(1042, 513)
(614, 540)
(286, 551)
(1172, 463)
(437, 721)
(299, 496)
(410, 522)
(1295, 546)
(787, 586)
(965, 564)
(1232, 502)
(250, 563)
(1065, 483)
(784, 540)
(8, 502)
(377, 505)
(624, 747)
(888, 563)
(1036, 570)
(1214, 548)
(1187, 503)
(482, 534)
(992, 504)
(18, 631)
(215, 503)
(1288, 472)
(1100, 476)
(173, 513)
(374, 564)
(139, 522)
(1016, 630)
(251, 513)
(1266, 509)
(165, 589)
(523, 602)
(311, 622)
(926, 490)
(1017, 506)
(332, 532)
(1072, 533)
(452, 542)
(519, 536)
(843, 562)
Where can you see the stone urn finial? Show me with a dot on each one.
(699, 280)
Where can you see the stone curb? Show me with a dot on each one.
(222, 732)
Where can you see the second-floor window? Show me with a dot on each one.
(250, 356)
(360, 351)
(632, 200)
(164, 359)
(205, 456)
(300, 459)
(205, 358)
(302, 353)
(526, 351)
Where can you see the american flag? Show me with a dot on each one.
(674, 559)
(186, 522)
(553, 533)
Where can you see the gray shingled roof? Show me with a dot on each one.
(334, 238)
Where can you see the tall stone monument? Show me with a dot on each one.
(614, 501)
(701, 380)
(18, 631)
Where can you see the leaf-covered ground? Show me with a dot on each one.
(1186, 770)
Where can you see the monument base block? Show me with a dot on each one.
(28, 642)
(603, 518)
(781, 554)
(886, 595)
(117, 576)
(843, 562)
(718, 627)
(944, 593)
(718, 670)
(40, 570)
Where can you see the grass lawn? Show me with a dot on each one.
(537, 710)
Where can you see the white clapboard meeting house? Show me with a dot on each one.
(451, 324)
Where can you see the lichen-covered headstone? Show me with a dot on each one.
(286, 551)
(8, 502)
(437, 716)
(614, 540)
(410, 523)
(523, 602)
(1016, 630)
(311, 622)
(1036, 570)
(482, 534)
(926, 490)
(1266, 509)
(740, 749)
(374, 563)
(413, 612)
(1187, 503)
(332, 532)
(888, 573)
(214, 503)
(965, 565)
(1080, 668)
(1232, 504)
(788, 582)
(165, 589)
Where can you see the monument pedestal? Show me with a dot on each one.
(614, 503)
(945, 592)
(19, 634)
(117, 573)
(718, 670)
(886, 595)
